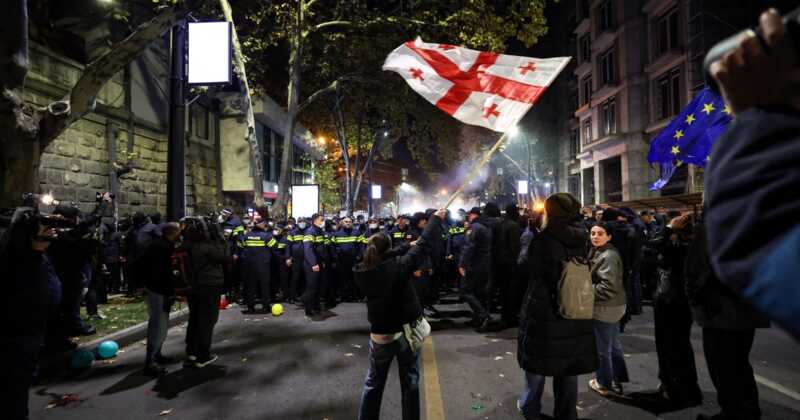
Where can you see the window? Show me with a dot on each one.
(199, 121)
(574, 186)
(608, 117)
(586, 90)
(667, 33)
(587, 131)
(668, 94)
(585, 53)
(583, 9)
(573, 144)
(606, 16)
(608, 66)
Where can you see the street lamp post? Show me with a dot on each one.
(176, 146)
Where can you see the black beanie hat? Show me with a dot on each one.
(562, 206)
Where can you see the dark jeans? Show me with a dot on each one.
(20, 356)
(676, 367)
(612, 368)
(203, 315)
(157, 325)
(473, 291)
(380, 360)
(311, 296)
(296, 286)
(346, 285)
(728, 358)
(565, 391)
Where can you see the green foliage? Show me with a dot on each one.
(329, 187)
(351, 38)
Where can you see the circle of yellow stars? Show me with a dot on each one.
(708, 109)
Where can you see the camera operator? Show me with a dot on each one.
(70, 253)
(31, 291)
(752, 178)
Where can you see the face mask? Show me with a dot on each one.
(276, 232)
(373, 226)
(302, 225)
(220, 219)
(382, 226)
(289, 227)
(271, 224)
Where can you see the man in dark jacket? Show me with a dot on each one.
(159, 283)
(729, 327)
(294, 260)
(753, 207)
(505, 254)
(314, 266)
(548, 344)
(256, 257)
(474, 267)
(31, 292)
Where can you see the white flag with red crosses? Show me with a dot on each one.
(479, 88)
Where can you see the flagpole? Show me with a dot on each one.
(475, 169)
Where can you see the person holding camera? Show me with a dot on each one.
(160, 287)
(70, 253)
(31, 293)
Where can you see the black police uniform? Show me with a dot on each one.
(256, 256)
(314, 252)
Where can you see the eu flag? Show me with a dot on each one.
(689, 137)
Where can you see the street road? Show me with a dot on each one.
(290, 368)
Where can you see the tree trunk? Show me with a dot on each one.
(255, 149)
(295, 57)
(25, 130)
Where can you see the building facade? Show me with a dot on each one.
(638, 63)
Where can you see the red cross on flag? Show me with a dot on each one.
(479, 88)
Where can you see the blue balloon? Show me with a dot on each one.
(107, 349)
(82, 359)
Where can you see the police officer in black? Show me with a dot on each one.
(314, 250)
(294, 259)
(400, 234)
(257, 251)
(347, 245)
(474, 267)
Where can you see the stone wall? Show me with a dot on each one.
(77, 164)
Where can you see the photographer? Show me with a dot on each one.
(31, 293)
(71, 253)
(752, 177)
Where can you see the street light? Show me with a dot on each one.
(522, 187)
(321, 140)
(513, 131)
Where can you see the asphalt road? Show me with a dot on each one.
(290, 368)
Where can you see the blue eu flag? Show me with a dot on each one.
(690, 136)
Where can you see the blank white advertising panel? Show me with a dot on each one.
(305, 200)
(209, 53)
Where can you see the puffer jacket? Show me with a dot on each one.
(208, 260)
(548, 344)
(606, 269)
(391, 299)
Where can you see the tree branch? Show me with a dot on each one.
(326, 90)
(82, 98)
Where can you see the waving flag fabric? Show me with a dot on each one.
(479, 88)
(690, 136)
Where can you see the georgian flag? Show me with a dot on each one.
(479, 88)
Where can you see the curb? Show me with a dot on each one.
(134, 333)
(123, 338)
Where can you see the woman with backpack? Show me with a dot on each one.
(384, 276)
(549, 344)
(609, 308)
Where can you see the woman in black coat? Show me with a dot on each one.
(385, 277)
(548, 344)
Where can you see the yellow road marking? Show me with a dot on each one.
(434, 408)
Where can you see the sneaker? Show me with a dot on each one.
(97, 317)
(617, 388)
(189, 362)
(205, 362)
(596, 387)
